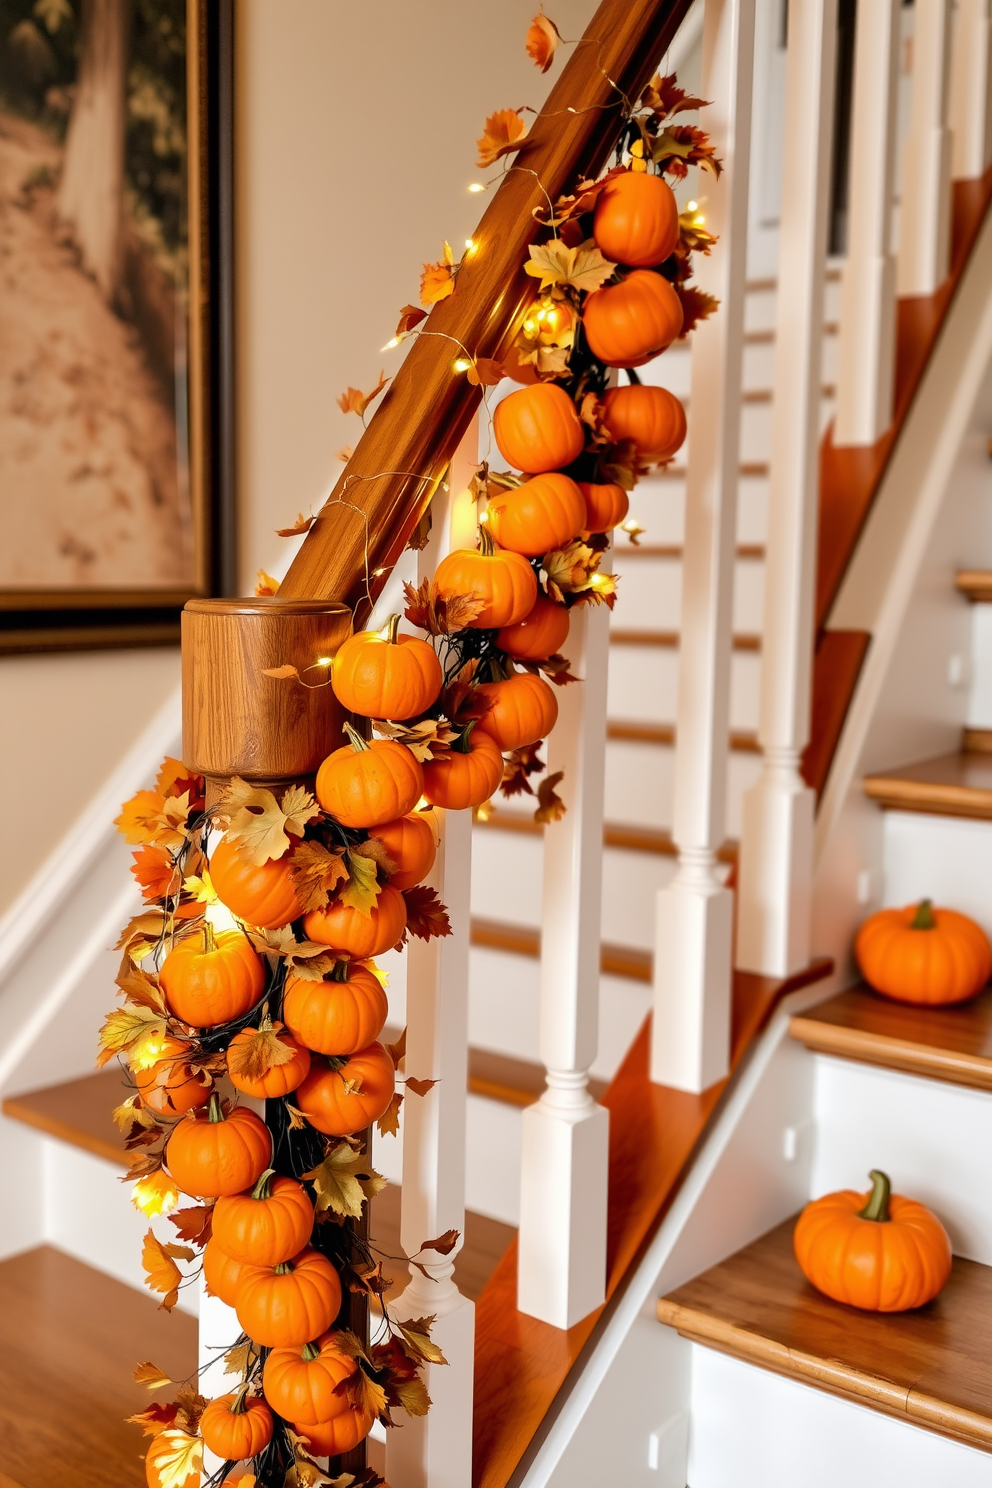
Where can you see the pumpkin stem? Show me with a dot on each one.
(239, 1405)
(924, 916)
(310, 1352)
(877, 1207)
(284, 1268)
(214, 1112)
(355, 739)
(462, 744)
(261, 1189)
(487, 545)
(209, 938)
(391, 626)
(632, 377)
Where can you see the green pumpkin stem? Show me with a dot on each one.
(355, 739)
(310, 1352)
(487, 545)
(262, 1187)
(283, 1269)
(877, 1207)
(239, 1405)
(391, 627)
(214, 1112)
(209, 938)
(462, 744)
(924, 916)
(341, 971)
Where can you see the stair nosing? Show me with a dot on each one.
(669, 639)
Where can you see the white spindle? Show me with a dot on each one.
(971, 90)
(218, 1330)
(777, 845)
(562, 1254)
(925, 210)
(694, 927)
(436, 1449)
(866, 374)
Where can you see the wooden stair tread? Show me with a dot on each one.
(755, 469)
(931, 1367)
(639, 731)
(675, 550)
(953, 1044)
(525, 940)
(957, 784)
(69, 1339)
(975, 584)
(486, 1240)
(669, 639)
(623, 835)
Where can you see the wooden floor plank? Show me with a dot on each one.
(931, 1367)
(975, 584)
(77, 1111)
(957, 784)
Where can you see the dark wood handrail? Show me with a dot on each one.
(366, 522)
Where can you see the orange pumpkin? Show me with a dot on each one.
(876, 1251)
(466, 774)
(221, 1272)
(263, 895)
(341, 1433)
(524, 710)
(361, 936)
(629, 323)
(538, 429)
(505, 582)
(271, 1224)
(386, 675)
(209, 979)
(169, 1087)
(336, 1017)
(543, 514)
(337, 1112)
(540, 634)
(236, 1426)
(924, 955)
(300, 1384)
(209, 1154)
(161, 1448)
(651, 416)
(411, 843)
(367, 783)
(606, 506)
(286, 1305)
(637, 220)
(279, 1079)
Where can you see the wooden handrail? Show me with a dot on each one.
(384, 490)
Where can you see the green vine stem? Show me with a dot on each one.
(924, 917)
(877, 1207)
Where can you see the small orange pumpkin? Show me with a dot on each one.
(924, 955)
(505, 582)
(524, 710)
(876, 1251)
(627, 324)
(169, 1087)
(236, 1426)
(365, 784)
(279, 1079)
(538, 429)
(466, 774)
(209, 979)
(327, 1103)
(341, 1433)
(411, 843)
(271, 1224)
(540, 634)
(221, 1272)
(651, 416)
(544, 513)
(361, 936)
(637, 220)
(386, 675)
(287, 1305)
(209, 1154)
(262, 894)
(338, 1016)
(606, 506)
(301, 1384)
(162, 1447)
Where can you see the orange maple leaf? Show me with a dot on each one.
(543, 40)
(505, 131)
(265, 585)
(155, 872)
(161, 1272)
(141, 817)
(437, 281)
(354, 401)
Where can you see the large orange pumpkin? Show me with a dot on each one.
(262, 894)
(286, 1305)
(386, 675)
(162, 1446)
(340, 1434)
(606, 506)
(466, 774)
(651, 416)
(365, 784)
(300, 1384)
(236, 1426)
(877, 1250)
(209, 1154)
(924, 955)
(279, 1079)
(221, 1272)
(540, 634)
(361, 936)
(271, 1224)
(544, 513)
(169, 1087)
(524, 710)
(629, 323)
(505, 582)
(211, 978)
(336, 1017)
(327, 1103)
(538, 429)
(637, 220)
(411, 843)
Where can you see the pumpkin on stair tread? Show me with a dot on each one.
(924, 955)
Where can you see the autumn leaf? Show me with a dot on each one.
(316, 873)
(139, 987)
(183, 1459)
(569, 569)
(131, 1113)
(161, 1272)
(138, 1030)
(411, 1395)
(304, 958)
(194, 1224)
(154, 1192)
(345, 453)
(484, 372)
(362, 889)
(582, 268)
(344, 1180)
(426, 916)
(416, 1336)
(363, 1394)
(423, 739)
(151, 1376)
(410, 317)
(551, 807)
(428, 610)
(141, 933)
(397, 1051)
(254, 1057)
(444, 1244)
(257, 822)
(521, 764)
(200, 888)
(419, 1087)
(353, 401)
(663, 97)
(388, 1124)
(299, 527)
(238, 1359)
(697, 305)
(155, 872)
(437, 281)
(601, 589)
(677, 148)
(266, 587)
(157, 1417)
(140, 817)
(504, 132)
(543, 39)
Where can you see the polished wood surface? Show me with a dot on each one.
(655, 840)
(950, 785)
(976, 740)
(69, 1338)
(931, 1367)
(77, 1111)
(635, 731)
(953, 1044)
(837, 663)
(975, 584)
(668, 639)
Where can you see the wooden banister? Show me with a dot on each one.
(384, 490)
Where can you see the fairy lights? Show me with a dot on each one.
(461, 364)
(476, 187)
(391, 344)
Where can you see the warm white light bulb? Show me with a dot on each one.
(476, 186)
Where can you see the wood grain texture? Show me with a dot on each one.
(69, 1338)
(837, 663)
(950, 785)
(953, 1044)
(975, 584)
(931, 1367)
(744, 551)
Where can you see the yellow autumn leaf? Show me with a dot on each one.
(151, 1376)
(583, 268)
(257, 822)
(161, 1272)
(362, 889)
(504, 132)
(155, 1194)
(344, 1180)
(200, 887)
(254, 1057)
(139, 1030)
(183, 1459)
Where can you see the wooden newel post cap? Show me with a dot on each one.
(238, 721)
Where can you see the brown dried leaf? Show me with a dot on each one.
(140, 988)
(238, 1359)
(520, 764)
(551, 807)
(417, 1342)
(361, 891)
(397, 1051)
(344, 1180)
(410, 316)
(298, 528)
(426, 916)
(388, 1124)
(485, 372)
(255, 1057)
(419, 1087)
(504, 132)
(316, 873)
(151, 1376)
(444, 1244)
(543, 40)
(422, 739)
(697, 305)
(161, 1272)
(258, 824)
(363, 1394)
(282, 673)
(429, 611)
(583, 268)
(353, 401)
(194, 1224)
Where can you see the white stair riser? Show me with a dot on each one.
(643, 684)
(980, 697)
(651, 593)
(944, 858)
(640, 784)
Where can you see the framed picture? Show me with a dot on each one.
(116, 363)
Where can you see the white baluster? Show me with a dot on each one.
(693, 958)
(436, 1449)
(925, 211)
(562, 1241)
(218, 1330)
(777, 845)
(971, 90)
(866, 374)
